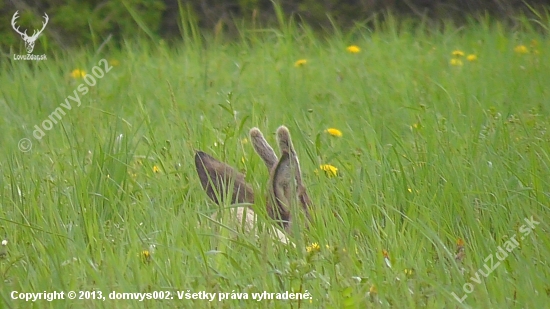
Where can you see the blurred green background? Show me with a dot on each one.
(78, 23)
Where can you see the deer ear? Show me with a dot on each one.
(283, 186)
(220, 180)
(285, 144)
(262, 148)
(288, 190)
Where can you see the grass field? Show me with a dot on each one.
(442, 169)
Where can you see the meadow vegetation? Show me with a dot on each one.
(424, 151)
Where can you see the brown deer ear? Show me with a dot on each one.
(287, 190)
(262, 148)
(221, 181)
(283, 188)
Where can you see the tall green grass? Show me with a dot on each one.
(431, 154)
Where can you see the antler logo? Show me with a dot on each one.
(29, 40)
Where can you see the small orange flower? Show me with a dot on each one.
(459, 256)
(386, 257)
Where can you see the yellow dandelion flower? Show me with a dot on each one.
(145, 255)
(455, 62)
(77, 73)
(156, 169)
(471, 57)
(314, 247)
(334, 132)
(457, 53)
(521, 49)
(244, 141)
(330, 170)
(300, 63)
(114, 62)
(354, 49)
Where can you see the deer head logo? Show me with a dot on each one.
(29, 40)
